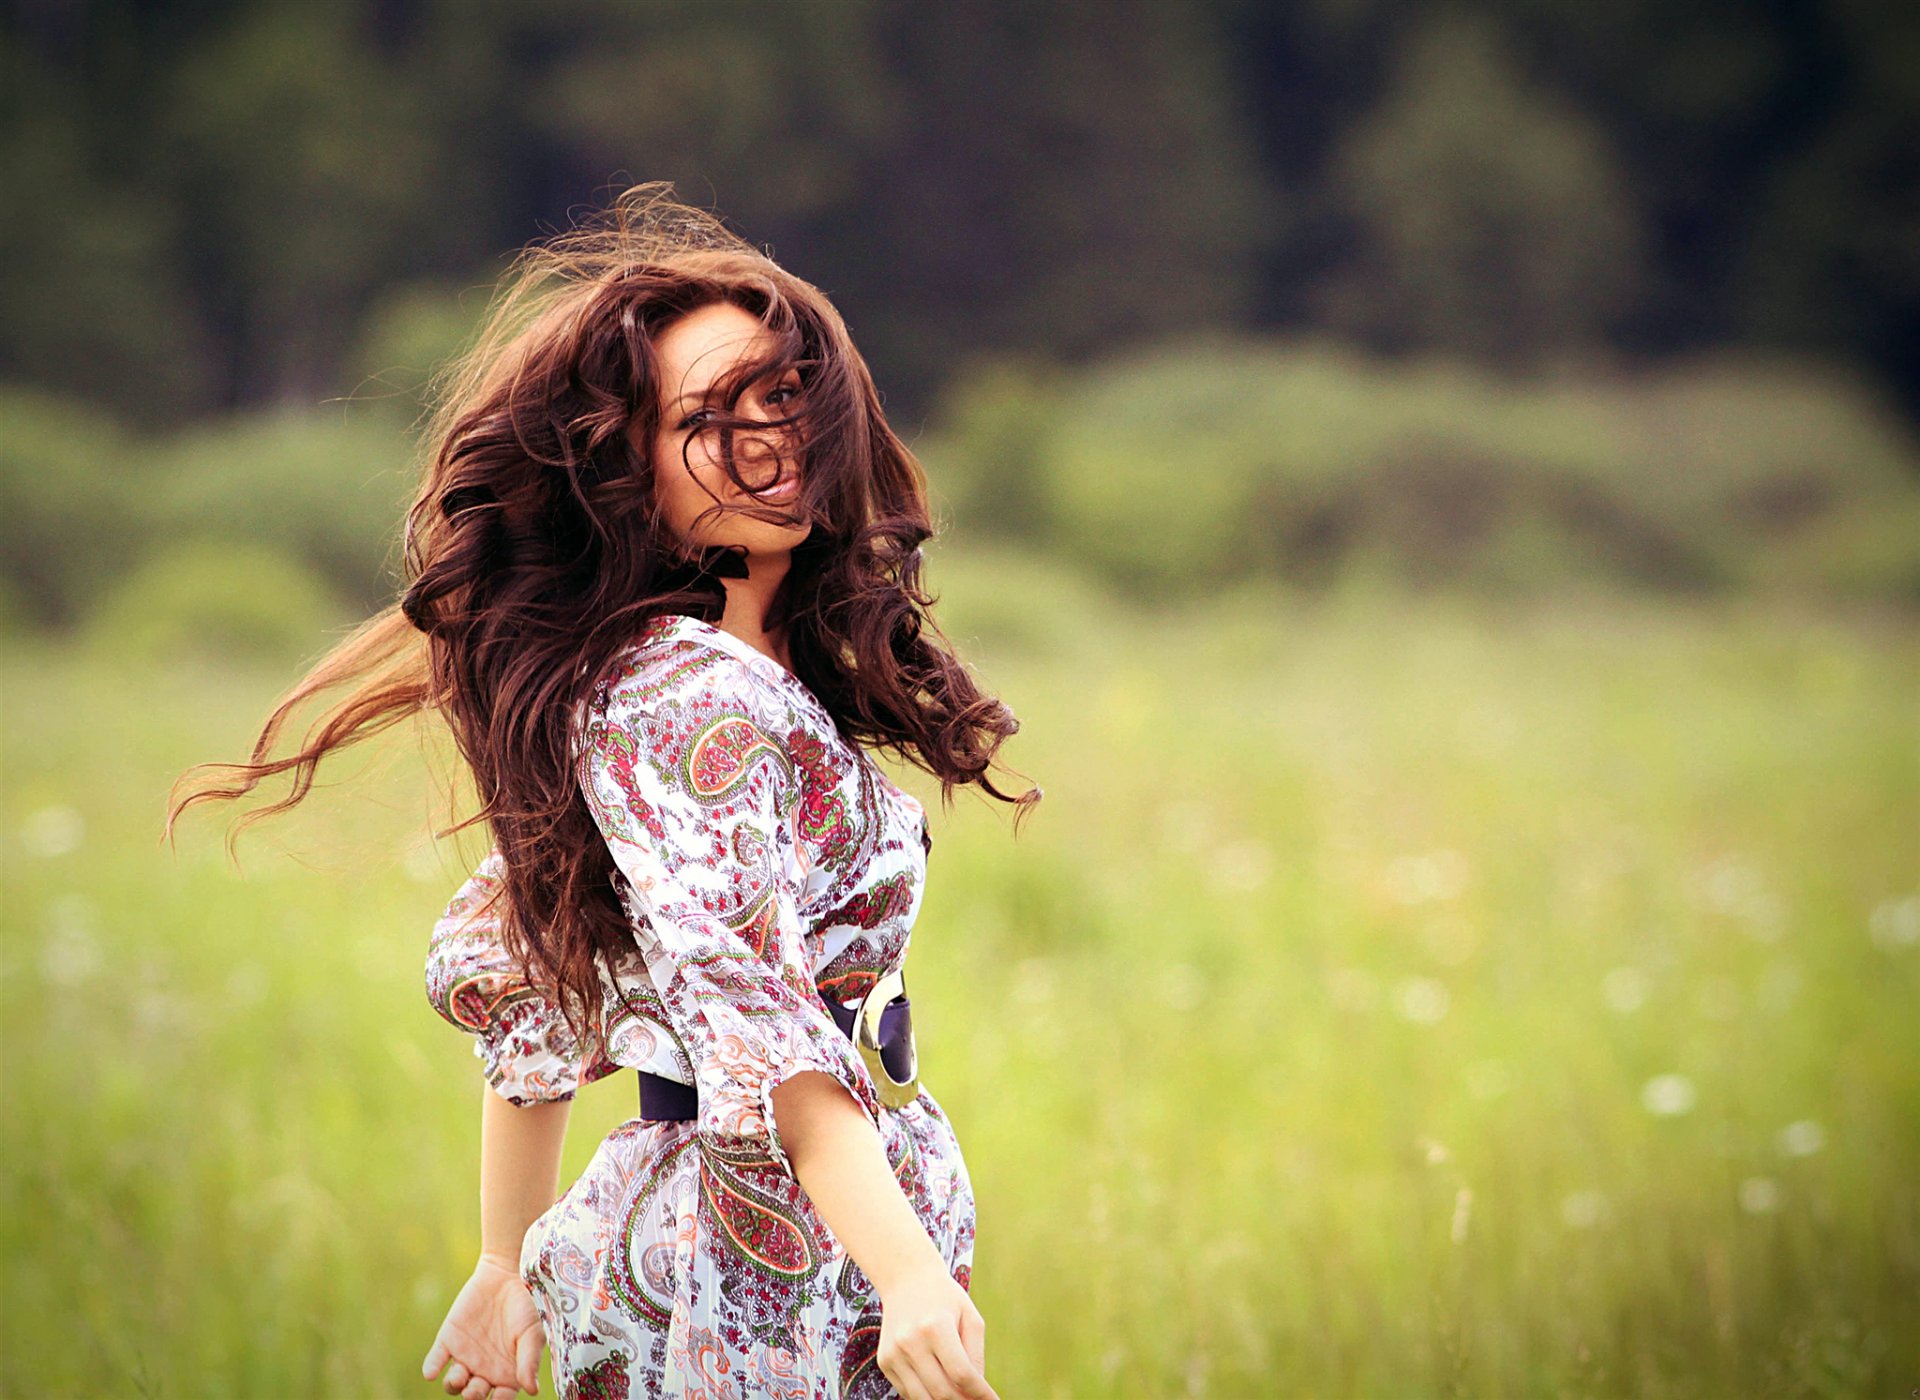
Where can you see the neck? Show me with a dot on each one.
(748, 600)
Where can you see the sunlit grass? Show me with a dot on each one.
(1399, 1001)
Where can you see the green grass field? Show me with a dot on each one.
(1386, 1000)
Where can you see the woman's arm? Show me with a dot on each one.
(933, 1339)
(490, 1342)
(519, 1170)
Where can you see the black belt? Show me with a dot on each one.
(668, 1100)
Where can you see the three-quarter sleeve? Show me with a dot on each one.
(528, 1052)
(684, 765)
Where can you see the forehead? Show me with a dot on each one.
(701, 346)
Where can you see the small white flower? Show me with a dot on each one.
(71, 954)
(1624, 989)
(1727, 885)
(1186, 826)
(1033, 981)
(1766, 917)
(1760, 1195)
(53, 831)
(1895, 923)
(1462, 1214)
(247, 984)
(1802, 1139)
(1435, 876)
(1488, 1079)
(1779, 986)
(1421, 1000)
(157, 1011)
(422, 864)
(1244, 866)
(1582, 1210)
(1668, 1095)
(1183, 987)
(1352, 989)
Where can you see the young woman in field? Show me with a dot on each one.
(664, 589)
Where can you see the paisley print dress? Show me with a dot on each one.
(766, 865)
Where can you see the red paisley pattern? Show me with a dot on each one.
(722, 756)
(764, 864)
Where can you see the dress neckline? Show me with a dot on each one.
(686, 626)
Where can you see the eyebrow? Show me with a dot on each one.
(702, 395)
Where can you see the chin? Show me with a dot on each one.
(760, 538)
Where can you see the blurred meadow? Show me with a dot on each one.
(1387, 1000)
(1439, 486)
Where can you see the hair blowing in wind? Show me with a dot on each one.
(535, 551)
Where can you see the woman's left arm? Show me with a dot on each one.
(932, 1337)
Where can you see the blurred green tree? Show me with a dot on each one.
(91, 299)
(1489, 217)
(305, 159)
(1835, 257)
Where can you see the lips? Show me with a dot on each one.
(784, 488)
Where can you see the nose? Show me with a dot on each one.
(759, 461)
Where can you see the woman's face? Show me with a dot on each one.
(696, 353)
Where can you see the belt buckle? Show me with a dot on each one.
(894, 1093)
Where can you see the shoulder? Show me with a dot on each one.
(681, 702)
(668, 671)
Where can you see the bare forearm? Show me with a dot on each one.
(519, 1169)
(839, 1159)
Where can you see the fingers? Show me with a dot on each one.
(436, 1358)
(526, 1359)
(935, 1365)
(973, 1336)
(963, 1377)
(906, 1377)
(469, 1386)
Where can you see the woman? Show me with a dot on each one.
(664, 588)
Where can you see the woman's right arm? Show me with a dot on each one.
(491, 1340)
(519, 1170)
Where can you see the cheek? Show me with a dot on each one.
(680, 496)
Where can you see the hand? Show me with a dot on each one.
(492, 1335)
(933, 1341)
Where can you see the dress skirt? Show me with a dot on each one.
(669, 1270)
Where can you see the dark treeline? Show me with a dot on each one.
(213, 205)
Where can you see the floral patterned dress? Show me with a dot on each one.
(765, 864)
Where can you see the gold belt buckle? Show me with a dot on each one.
(894, 1093)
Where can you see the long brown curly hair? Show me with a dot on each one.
(534, 551)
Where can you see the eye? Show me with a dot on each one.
(694, 419)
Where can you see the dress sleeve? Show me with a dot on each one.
(684, 768)
(523, 1042)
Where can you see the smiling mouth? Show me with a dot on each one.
(783, 488)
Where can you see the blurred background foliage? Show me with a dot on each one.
(1506, 295)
